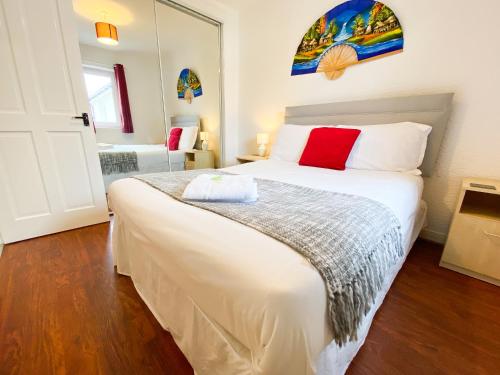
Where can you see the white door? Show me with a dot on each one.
(50, 178)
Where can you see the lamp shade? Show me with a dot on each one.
(204, 136)
(262, 138)
(106, 33)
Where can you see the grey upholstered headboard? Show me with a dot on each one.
(184, 120)
(181, 121)
(433, 110)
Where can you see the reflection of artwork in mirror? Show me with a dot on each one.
(188, 85)
(353, 32)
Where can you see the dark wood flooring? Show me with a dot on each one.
(63, 310)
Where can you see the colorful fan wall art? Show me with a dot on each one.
(351, 33)
(188, 85)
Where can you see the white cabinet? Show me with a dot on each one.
(473, 245)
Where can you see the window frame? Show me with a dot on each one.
(105, 72)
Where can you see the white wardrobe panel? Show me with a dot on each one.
(72, 169)
(22, 179)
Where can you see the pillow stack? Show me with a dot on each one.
(398, 147)
(290, 142)
(182, 138)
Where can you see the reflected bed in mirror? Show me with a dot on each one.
(121, 161)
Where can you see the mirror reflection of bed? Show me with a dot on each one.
(122, 160)
(132, 86)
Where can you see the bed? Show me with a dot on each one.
(239, 302)
(146, 158)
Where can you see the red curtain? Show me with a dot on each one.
(121, 85)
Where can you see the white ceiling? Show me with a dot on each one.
(134, 20)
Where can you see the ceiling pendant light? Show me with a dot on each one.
(106, 33)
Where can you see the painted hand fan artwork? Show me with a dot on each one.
(188, 85)
(351, 33)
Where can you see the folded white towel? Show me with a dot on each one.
(232, 188)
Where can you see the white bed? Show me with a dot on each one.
(153, 158)
(150, 159)
(235, 300)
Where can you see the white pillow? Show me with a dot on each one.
(290, 142)
(188, 137)
(396, 147)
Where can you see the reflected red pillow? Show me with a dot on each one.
(329, 147)
(174, 138)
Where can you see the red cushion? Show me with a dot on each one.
(173, 140)
(329, 147)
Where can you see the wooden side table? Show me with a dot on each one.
(473, 245)
(250, 158)
(199, 159)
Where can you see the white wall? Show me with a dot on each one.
(448, 47)
(197, 48)
(144, 89)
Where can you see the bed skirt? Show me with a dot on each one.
(208, 347)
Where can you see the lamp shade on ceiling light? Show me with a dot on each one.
(106, 33)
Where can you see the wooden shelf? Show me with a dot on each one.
(481, 204)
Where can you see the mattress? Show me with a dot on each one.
(150, 159)
(235, 300)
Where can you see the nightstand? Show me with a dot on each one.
(199, 159)
(473, 245)
(250, 158)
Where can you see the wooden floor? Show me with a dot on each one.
(63, 310)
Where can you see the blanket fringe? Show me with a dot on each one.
(349, 304)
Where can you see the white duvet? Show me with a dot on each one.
(235, 300)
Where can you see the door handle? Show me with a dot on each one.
(84, 117)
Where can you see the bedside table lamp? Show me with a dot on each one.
(204, 139)
(262, 141)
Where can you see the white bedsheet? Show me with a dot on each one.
(150, 159)
(237, 301)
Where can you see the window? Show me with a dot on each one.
(101, 91)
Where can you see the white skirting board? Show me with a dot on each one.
(431, 235)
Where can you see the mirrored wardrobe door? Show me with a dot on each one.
(121, 68)
(189, 50)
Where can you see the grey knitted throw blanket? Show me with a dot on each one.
(118, 162)
(352, 241)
